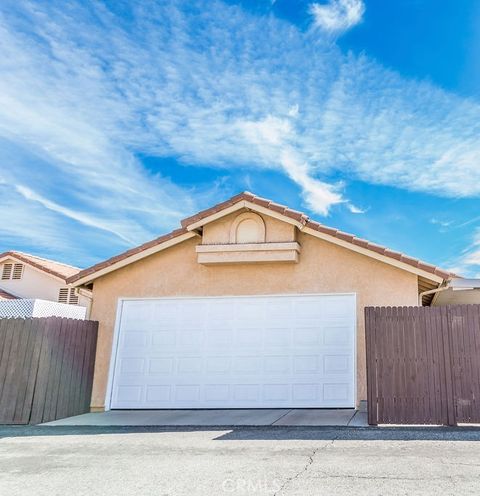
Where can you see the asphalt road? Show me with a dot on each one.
(66, 461)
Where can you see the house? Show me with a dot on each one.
(28, 277)
(249, 304)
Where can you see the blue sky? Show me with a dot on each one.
(118, 118)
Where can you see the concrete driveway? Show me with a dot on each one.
(129, 461)
(233, 417)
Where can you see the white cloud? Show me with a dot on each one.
(274, 139)
(85, 92)
(319, 196)
(468, 263)
(87, 220)
(337, 16)
(355, 210)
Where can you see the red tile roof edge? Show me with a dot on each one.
(36, 263)
(5, 295)
(275, 207)
(126, 254)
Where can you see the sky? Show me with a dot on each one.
(119, 118)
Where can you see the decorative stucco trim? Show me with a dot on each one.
(289, 245)
(239, 206)
(248, 253)
(248, 216)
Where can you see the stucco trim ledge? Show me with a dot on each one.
(248, 253)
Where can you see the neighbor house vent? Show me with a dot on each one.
(63, 295)
(17, 271)
(73, 300)
(7, 271)
(67, 295)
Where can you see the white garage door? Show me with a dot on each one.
(235, 352)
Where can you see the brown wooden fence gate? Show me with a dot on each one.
(423, 364)
(46, 368)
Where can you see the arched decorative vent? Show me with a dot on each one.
(247, 228)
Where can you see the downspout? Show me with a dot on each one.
(429, 292)
(88, 295)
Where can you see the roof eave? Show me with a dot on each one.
(6, 255)
(249, 201)
(89, 275)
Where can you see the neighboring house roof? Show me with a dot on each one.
(261, 205)
(57, 269)
(4, 295)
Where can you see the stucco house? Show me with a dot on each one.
(249, 304)
(28, 277)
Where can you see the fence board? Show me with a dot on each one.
(423, 364)
(38, 329)
(42, 373)
(21, 374)
(65, 373)
(90, 362)
(46, 387)
(9, 391)
(371, 366)
(475, 324)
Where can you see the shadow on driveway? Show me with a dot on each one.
(268, 433)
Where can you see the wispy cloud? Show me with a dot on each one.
(86, 91)
(337, 16)
(87, 220)
(468, 262)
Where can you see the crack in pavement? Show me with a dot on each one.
(306, 466)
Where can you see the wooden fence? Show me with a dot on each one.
(423, 364)
(46, 368)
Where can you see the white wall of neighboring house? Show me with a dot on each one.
(35, 284)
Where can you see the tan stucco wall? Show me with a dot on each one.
(323, 268)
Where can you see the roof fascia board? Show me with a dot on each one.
(134, 258)
(239, 206)
(377, 256)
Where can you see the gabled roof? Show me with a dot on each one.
(4, 295)
(57, 269)
(268, 207)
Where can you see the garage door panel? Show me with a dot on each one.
(163, 340)
(157, 394)
(337, 336)
(161, 365)
(134, 340)
(306, 336)
(263, 352)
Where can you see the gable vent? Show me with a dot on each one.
(73, 299)
(68, 296)
(7, 271)
(17, 271)
(63, 295)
